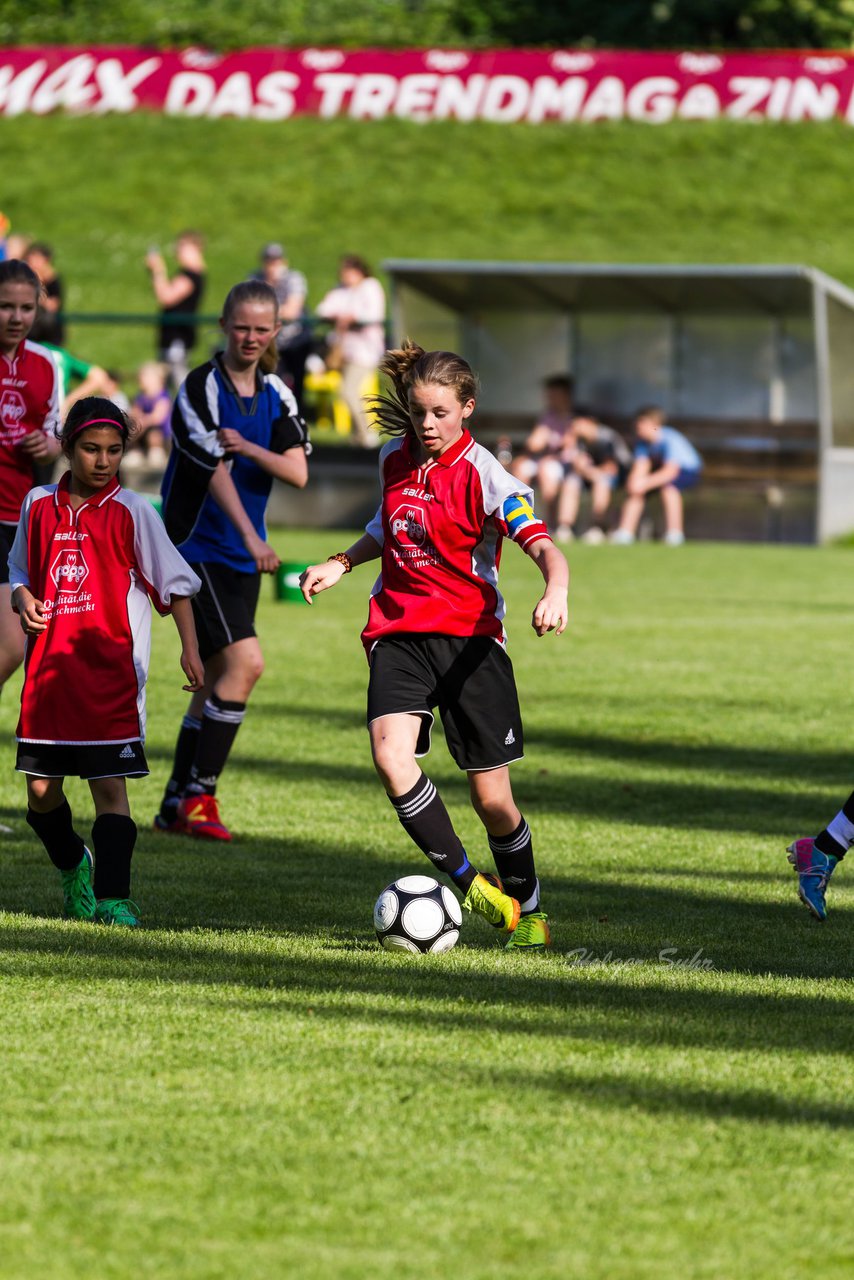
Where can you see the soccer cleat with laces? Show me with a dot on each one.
(532, 933)
(488, 901)
(199, 816)
(118, 911)
(79, 900)
(814, 869)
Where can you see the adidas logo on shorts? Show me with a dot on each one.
(511, 738)
(127, 753)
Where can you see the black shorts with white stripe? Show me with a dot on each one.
(225, 607)
(468, 678)
(82, 760)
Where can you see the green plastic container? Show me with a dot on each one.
(287, 582)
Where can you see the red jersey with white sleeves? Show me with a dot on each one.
(95, 568)
(440, 525)
(29, 401)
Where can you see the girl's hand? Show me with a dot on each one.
(232, 441)
(193, 668)
(36, 444)
(320, 577)
(266, 560)
(32, 617)
(552, 612)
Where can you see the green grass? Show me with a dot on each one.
(250, 1087)
(102, 190)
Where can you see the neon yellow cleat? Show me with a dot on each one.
(531, 934)
(488, 901)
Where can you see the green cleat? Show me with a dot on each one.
(488, 901)
(120, 911)
(78, 898)
(531, 934)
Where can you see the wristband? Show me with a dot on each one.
(342, 558)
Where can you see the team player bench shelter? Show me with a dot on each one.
(754, 363)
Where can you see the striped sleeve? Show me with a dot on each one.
(162, 568)
(196, 420)
(289, 430)
(507, 501)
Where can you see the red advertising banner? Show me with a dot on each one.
(504, 86)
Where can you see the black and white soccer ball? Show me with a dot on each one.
(416, 913)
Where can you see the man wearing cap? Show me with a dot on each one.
(294, 338)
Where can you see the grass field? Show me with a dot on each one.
(250, 1088)
(102, 190)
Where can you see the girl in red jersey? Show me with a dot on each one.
(29, 416)
(87, 559)
(434, 635)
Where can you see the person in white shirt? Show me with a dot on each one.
(358, 310)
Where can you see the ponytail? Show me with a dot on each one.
(409, 366)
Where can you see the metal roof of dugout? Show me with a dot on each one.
(755, 363)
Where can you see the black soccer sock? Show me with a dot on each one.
(220, 723)
(514, 862)
(185, 754)
(113, 839)
(838, 836)
(56, 831)
(425, 820)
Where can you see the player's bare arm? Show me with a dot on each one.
(320, 577)
(191, 662)
(31, 611)
(663, 476)
(225, 495)
(291, 466)
(552, 610)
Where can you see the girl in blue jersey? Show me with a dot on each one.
(235, 428)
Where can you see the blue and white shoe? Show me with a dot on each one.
(814, 869)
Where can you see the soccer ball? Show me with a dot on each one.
(416, 913)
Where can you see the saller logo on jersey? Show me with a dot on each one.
(69, 570)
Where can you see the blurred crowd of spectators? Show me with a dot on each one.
(345, 337)
(569, 452)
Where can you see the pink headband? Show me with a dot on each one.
(94, 422)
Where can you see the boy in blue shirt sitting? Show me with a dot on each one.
(665, 461)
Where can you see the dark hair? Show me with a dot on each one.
(14, 271)
(409, 366)
(560, 382)
(255, 291)
(358, 264)
(39, 246)
(650, 411)
(93, 411)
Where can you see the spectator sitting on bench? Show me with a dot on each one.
(549, 446)
(601, 463)
(665, 461)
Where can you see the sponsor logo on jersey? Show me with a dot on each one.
(517, 512)
(409, 526)
(70, 537)
(69, 570)
(510, 739)
(13, 409)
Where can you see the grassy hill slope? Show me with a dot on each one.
(102, 190)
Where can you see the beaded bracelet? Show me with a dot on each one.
(342, 558)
